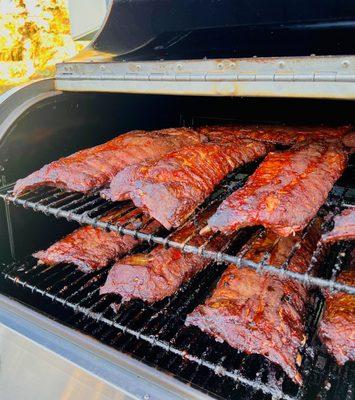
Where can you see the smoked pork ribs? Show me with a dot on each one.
(155, 275)
(286, 135)
(93, 168)
(260, 313)
(170, 189)
(91, 248)
(285, 191)
(344, 227)
(337, 326)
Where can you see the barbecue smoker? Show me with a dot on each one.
(155, 65)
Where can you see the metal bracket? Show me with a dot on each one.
(8, 219)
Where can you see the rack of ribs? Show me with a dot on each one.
(260, 313)
(92, 248)
(158, 274)
(344, 227)
(170, 189)
(277, 134)
(93, 168)
(285, 191)
(337, 327)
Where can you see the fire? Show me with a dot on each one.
(34, 36)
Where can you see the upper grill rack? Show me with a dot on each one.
(89, 209)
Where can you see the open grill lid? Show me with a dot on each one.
(194, 29)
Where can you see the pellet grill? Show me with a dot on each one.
(157, 64)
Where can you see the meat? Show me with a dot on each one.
(158, 274)
(92, 248)
(337, 327)
(285, 191)
(349, 141)
(277, 134)
(344, 227)
(262, 313)
(170, 188)
(94, 168)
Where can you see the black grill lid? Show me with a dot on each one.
(193, 29)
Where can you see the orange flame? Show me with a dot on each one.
(34, 36)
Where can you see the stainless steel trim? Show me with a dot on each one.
(31, 372)
(311, 77)
(127, 375)
(16, 101)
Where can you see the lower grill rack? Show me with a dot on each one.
(90, 209)
(156, 335)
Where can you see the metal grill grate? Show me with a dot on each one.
(156, 334)
(89, 209)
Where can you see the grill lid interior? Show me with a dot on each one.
(185, 29)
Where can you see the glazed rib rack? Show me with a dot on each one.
(88, 209)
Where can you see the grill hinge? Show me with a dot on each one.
(310, 77)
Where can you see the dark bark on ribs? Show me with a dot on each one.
(154, 276)
(285, 191)
(94, 168)
(92, 248)
(344, 227)
(349, 141)
(337, 327)
(171, 188)
(260, 313)
(276, 134)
